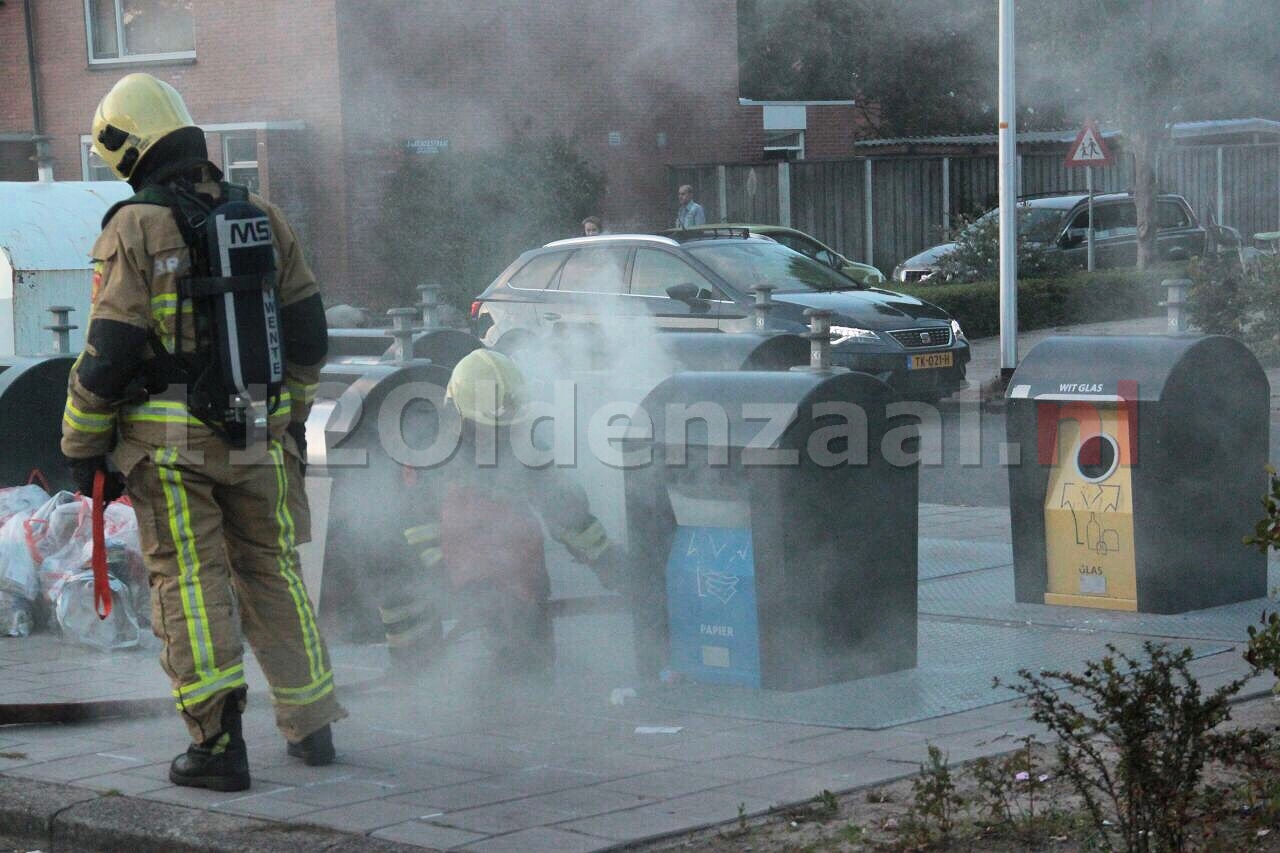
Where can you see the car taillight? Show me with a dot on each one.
(475, 309)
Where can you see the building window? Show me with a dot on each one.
(784, 145)
(139, 30)
(92, 167)
(240, 159)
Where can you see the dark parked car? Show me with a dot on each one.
(703, 284)
(1060, 224)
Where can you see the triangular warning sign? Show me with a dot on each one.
(1089, 149)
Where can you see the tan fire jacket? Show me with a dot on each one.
(138, 261)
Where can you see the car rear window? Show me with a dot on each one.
(598, 269)
(656, 271)
(537, 274)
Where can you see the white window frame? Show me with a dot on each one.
(122, 58)
(86, 140)
(798, 147)
(227, 137)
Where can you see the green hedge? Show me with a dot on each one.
(1077, 297)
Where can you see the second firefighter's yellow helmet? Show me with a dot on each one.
(487, 388)
(138, 112)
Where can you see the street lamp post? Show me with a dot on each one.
(1008, 198)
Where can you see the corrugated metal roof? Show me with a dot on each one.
(1032, 136)
(52, 226)
(1192, 129)
(1181, 130)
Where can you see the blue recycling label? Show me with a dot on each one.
(711, 603)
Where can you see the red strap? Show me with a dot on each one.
(37, 474)
(101, 584)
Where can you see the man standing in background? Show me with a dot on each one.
(690, 213)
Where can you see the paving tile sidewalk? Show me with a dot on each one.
(485, 765)
(464, 759)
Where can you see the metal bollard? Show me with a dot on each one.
(61, 328)
(402, 330)
(1176, 290)
(819, 336)
(764, 303)
(429, 304)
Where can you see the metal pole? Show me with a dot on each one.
(1088, 182)
(402, 331)
(44, 160)
(429, 305)
(868, 228)
(61, 328)
(946, 196)
(784, 194)
(1008, 197)
(763, 305)
(722, 191)
(1221, 206)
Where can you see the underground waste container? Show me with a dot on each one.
(1141, 468)
(773, 540)
(367, 421)
(33, 391)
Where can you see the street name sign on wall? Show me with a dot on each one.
(1089, 149)
(426, 146)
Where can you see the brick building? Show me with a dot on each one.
(317, 102)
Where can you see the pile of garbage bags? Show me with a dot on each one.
(46, 574)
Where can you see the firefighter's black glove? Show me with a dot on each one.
(298, 431)
(83, 471)
(611, 567)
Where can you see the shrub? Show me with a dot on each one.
(1231, 297)
(976, 255)
(935, 800)
(1076, 297)
(1263, 650)
(1133, 739)
(459, 218)
(1010, 787)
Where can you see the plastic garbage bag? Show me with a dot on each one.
(16, 616)
(65, 544)
(18, 560)
(74, 610)
(20, 499)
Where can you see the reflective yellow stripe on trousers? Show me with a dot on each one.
(203, 689)
(192, 596)
(321, 676)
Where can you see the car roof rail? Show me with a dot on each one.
(1053, 194)
(707, 233)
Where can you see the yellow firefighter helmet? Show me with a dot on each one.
(487, 388)
(137, 112)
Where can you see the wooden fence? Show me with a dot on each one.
(882, 210)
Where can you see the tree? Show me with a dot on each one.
(1140, 65)
(459, 218)
(914, 67)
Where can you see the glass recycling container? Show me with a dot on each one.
(1141, 466)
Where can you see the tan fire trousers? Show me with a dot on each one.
(210, 523)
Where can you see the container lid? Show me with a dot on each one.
(52, 226)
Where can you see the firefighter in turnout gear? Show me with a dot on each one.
(201, 360)
(481, 543)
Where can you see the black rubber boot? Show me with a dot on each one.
(316, 749)
(221, 763)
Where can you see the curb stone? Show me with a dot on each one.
(64, 817)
